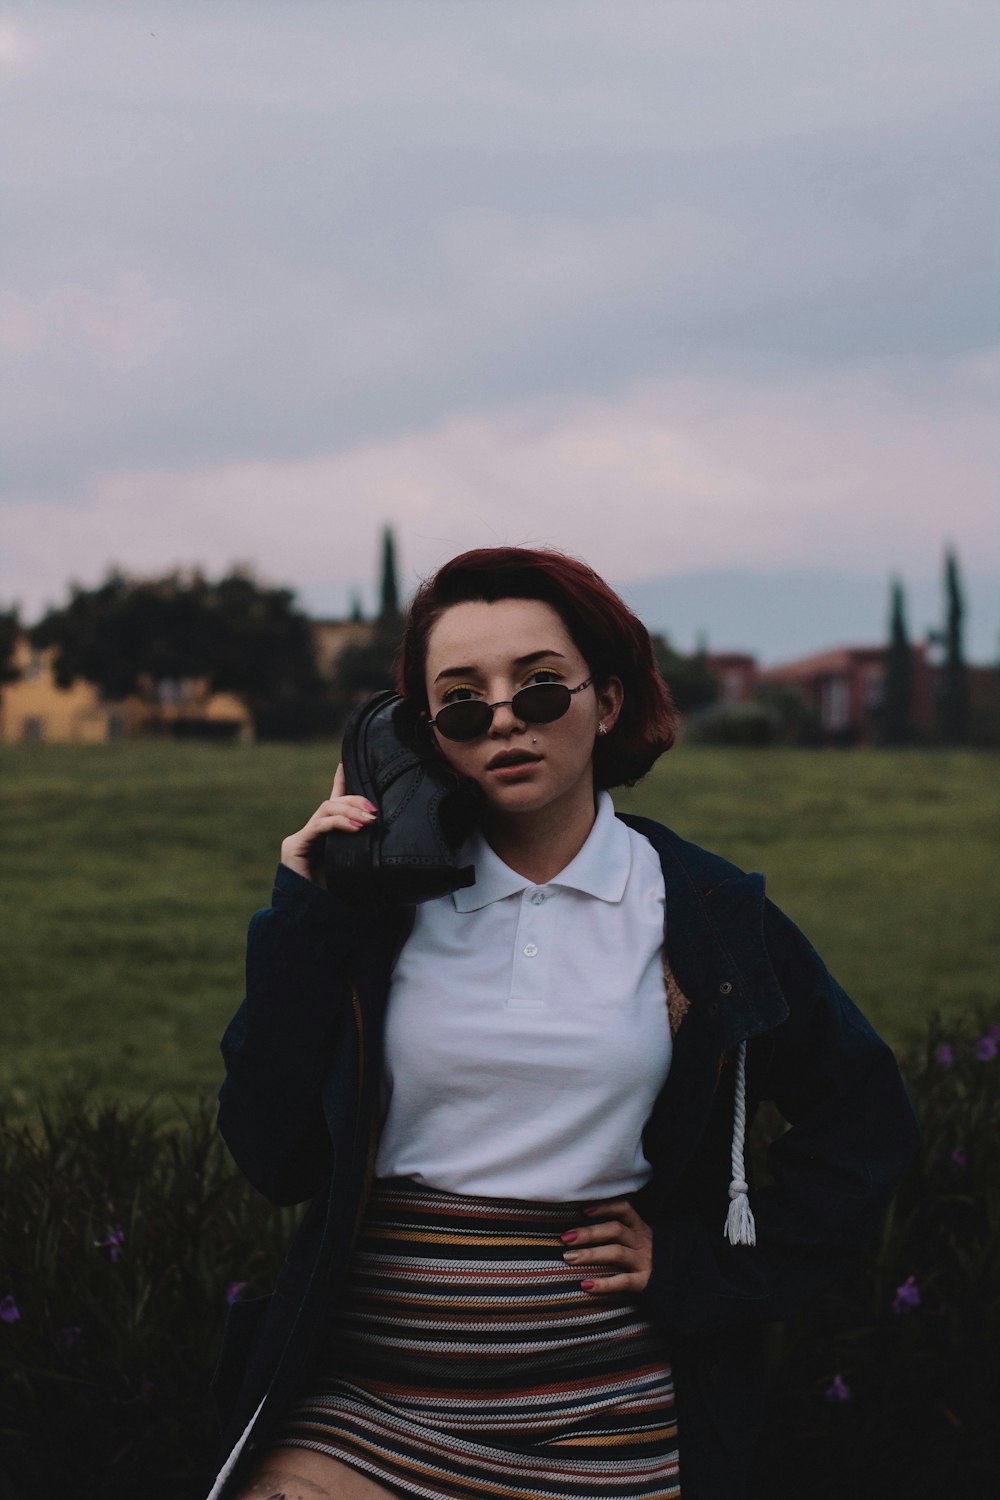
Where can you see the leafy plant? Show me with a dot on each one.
(120, 1243)
(890, 1384)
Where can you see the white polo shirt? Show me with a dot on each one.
(527, 1032)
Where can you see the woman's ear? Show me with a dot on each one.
(610, 697)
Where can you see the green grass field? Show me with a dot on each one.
(128, 872)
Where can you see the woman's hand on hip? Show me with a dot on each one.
(620, 1239)
(340, 812)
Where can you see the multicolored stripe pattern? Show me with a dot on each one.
(469, 1363)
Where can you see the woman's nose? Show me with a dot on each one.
(504, 721)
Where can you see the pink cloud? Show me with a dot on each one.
(854, 469)
(16, 47)
(122, 327)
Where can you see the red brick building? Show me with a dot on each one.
(845, 687)
(737, 675)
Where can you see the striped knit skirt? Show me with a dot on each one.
(468, 1362)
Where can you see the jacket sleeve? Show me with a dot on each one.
(832, 1174)
(283, 1042)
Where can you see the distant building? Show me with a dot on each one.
(845, 687)
(737, 675)
(34, 707)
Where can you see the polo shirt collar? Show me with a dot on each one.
(601, 868)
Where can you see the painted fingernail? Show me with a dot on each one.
(588, 1286)
(356, 823)
(593, 1209)
(569, 1236)
(371, 806)
(571, 1255)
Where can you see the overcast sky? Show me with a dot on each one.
(675, 286)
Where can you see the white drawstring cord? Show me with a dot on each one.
(230, 1463)
(740, 1228)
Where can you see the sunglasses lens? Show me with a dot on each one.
(464, 720)
(538, 704)
(541, 703)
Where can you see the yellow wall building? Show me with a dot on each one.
(331, 639)
(34, 707)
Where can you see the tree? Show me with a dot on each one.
(367, 667)
(263, 652)
(897, 697)
(953, 690)
(10, 629)
(389, 611)
(132, 635)
(691, 680)
(126, 636)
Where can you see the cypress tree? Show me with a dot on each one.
(389, 611)
(897, 699)
(953, 689)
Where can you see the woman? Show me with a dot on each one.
(519, 1112)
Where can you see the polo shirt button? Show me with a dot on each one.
(530, 949)
(537, 898)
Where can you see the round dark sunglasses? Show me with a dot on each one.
(538, 703)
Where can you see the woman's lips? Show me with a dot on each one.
(510, 768)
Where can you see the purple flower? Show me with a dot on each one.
(113, 1244)
(960, 1156)
(838, 1390)
(986, 1049)
(9, 1310)
(70, 1336)
(907, 1295)
(233, 1290)
(945, 1055)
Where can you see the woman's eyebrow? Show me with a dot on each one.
(519, 661)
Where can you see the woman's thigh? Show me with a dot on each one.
(301, 1474)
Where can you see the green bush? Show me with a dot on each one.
(745, 724)
(121, 1240)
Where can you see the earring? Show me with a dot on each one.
(602, 728)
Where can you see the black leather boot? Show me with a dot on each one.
(425, 811)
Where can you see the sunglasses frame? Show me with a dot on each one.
(504, 703)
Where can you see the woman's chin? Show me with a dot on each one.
(537, 790)
(515, 796)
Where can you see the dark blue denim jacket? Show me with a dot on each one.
(299, 1111)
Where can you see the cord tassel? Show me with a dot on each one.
(740, 1228)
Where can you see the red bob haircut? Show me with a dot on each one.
(612, 640)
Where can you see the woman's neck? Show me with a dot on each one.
(540, 844)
